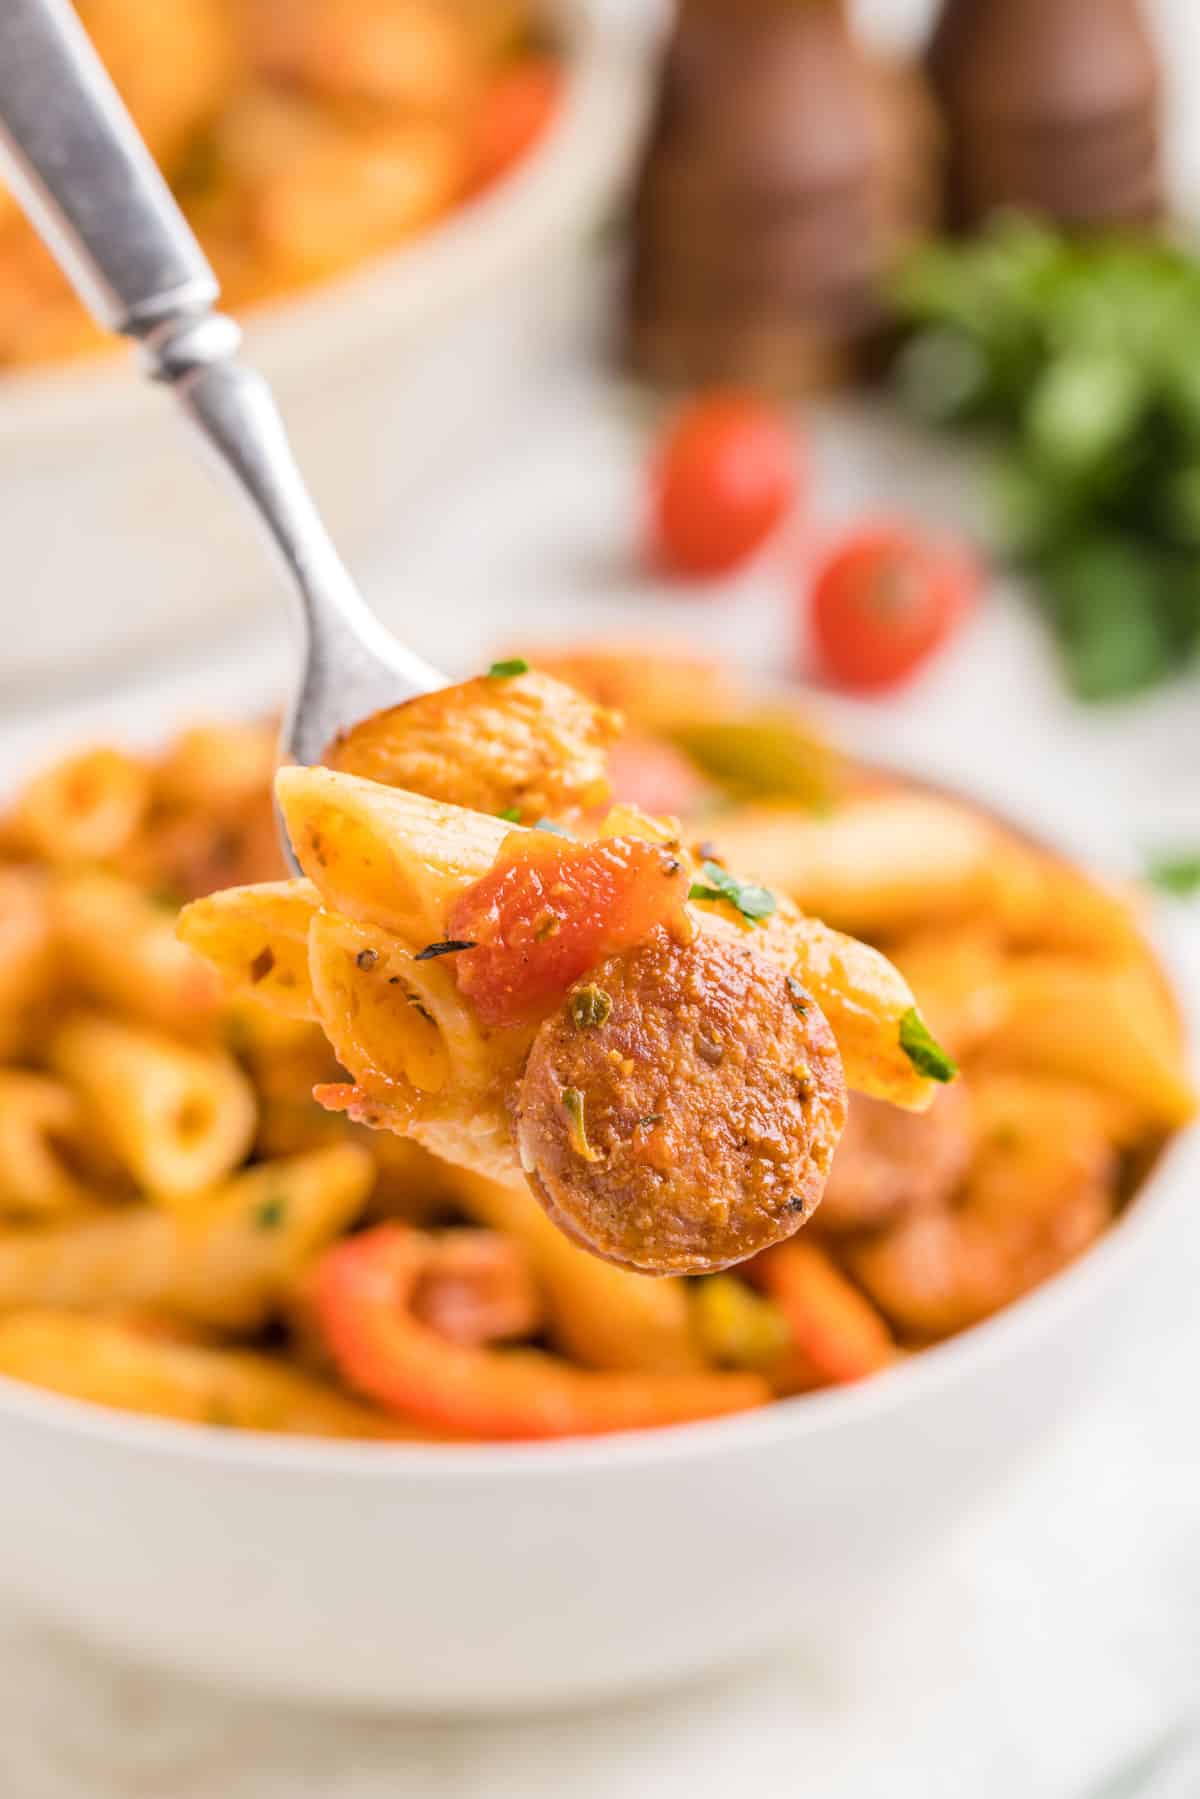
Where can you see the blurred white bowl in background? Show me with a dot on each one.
(117, 542)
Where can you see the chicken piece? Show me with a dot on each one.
(523, 745)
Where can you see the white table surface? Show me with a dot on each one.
(1055, 1638)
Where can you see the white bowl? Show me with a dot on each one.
(485, 1577)
(116, 540)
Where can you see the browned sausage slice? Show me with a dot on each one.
(891, 1163)
(679, 1112)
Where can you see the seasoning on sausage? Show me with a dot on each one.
(692, 1121)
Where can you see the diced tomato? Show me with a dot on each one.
(725, 475)
(884, 600)
(655, 776)
(549, 910)
(514, 112)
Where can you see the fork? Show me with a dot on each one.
(79, 168)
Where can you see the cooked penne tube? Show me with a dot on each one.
(83, 809)
(1109, 1026)
(40, 1122)
(112, 1363)
(229, 1266)
(26, 959)
(441, 1052)
(257, 938)
(121, 950)
(178, 1119)
(880, 863)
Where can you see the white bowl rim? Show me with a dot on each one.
(812, 1415)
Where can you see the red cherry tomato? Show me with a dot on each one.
(883, 600)
(726, 474)
(513, 114)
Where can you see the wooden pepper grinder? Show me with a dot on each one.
(1051, 106)
(784, 171)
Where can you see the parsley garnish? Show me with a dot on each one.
(511, 815)
(270, 1213)
(548, 824)
(1176, 874)
(754, 903)
(572, 1104)
(923, 1049)
(590, 1008)
(451, 947)
(504, 671)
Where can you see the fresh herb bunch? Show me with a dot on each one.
(1082, 360)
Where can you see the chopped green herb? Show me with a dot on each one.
(504, 671)
(572, 1103)
(923, 1049)
(1176, 874)
(548, 824)
(451, 947)
(511, 815)
(754, 903)
(649, 1121)
(270, 1213)
(590, 1008)
(797, 996)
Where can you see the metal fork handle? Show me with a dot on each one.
(80, 169)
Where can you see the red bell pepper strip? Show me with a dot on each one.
(363, 1291)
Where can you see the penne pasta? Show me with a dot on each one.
(111, 1363)
(230, 1265)
(510, 1052)
(257, 939)
(120, 949)
(41, 1145)
(84, 809)
(177, 1119)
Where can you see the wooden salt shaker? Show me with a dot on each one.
(1051, 106)
(784, 171)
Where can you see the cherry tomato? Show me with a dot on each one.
(883, 600)
(726, 474)
(513, 114)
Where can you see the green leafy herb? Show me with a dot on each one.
(923, 1049)
(1177, 873)
(797, 996)
(511, 815)
(504, 671)
(1078, 359)
(452, 947)
(572, 1104)
(548, 824)
(650, 1120)
(754, 903)
(270, 1213)
(590, 1008)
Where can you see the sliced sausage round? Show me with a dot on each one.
(680, 1110)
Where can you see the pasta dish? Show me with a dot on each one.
(390, 1150)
